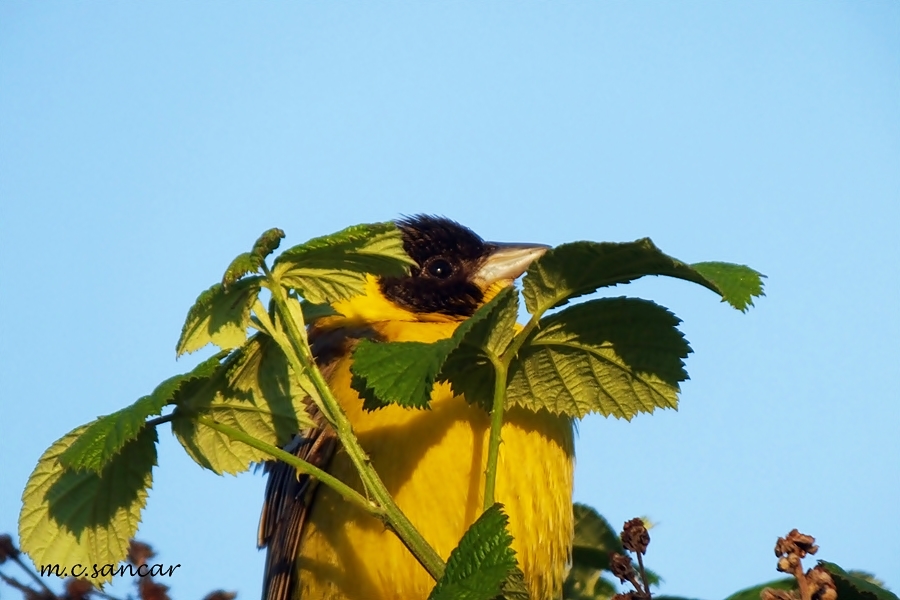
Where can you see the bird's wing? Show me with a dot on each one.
(289, 498)
(289, 495)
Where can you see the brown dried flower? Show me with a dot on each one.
(7, 548)
(139, 553)
(150, 590)
(220, 595)
(628, 596)
(796, 543)
(78, 589)
(635, 536)
(621, 567)
(822, 584)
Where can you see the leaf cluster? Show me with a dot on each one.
(613, 356)
(84, 499)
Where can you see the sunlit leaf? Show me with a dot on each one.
(71, 517)
(334, 267)
(106, 436)
(251, 262)
(256, 392)
(220, 316)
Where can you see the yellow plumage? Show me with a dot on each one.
(433, 462)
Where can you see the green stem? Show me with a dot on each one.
(300, 356)
(301, 465)
(519, 339)
(501, 373)
(490, 474)
(160, 420)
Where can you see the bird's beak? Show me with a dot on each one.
(506, 262)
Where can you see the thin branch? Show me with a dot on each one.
(643, 573)
(802, 583)
(13, 583)
(160, 420)
(32, 574)
(347, 492)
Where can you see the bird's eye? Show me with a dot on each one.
(440, 268)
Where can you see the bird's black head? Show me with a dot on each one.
(448, 257)
(454, 267)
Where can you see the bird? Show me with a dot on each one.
(431, 460)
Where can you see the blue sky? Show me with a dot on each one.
(143, 145)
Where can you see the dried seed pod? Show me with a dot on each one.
(621, 567)
(823, 587)
(78, 589)
(635, 536)
(139, 553)
(150, 590)
(7, 548)
(805, 544)
(784, 565)
(220, 595)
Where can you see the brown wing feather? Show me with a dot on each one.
(288, 501)
(290, 497)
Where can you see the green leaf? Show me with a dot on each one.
(267, 243)
(586, 583)
(481, 562)
(578, 268)
(254, 391)
(493, 334)
(312, 312)
(737, 284)
(404, 372)
(867, 576)
(334, 267)
(250, 262)
(102, 440)
(614, 356)
(852, 586)
(220, 316)
(469, 368)
(514, 586)
(242, 264)
(84, 517)
(178, 387)
(753, 592)
(398, 372)
(594, 539)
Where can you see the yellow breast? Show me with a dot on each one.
(433, 462)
